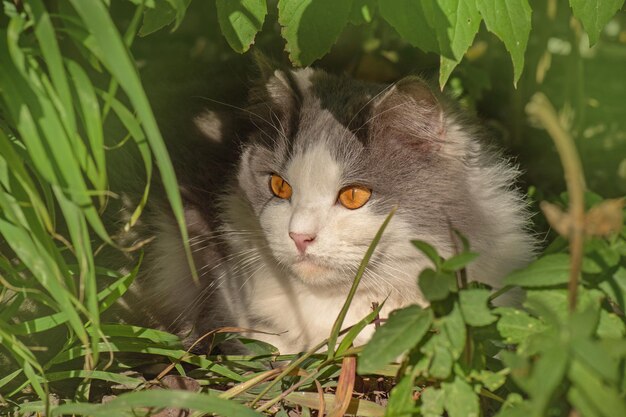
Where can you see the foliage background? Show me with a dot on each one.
(45, 217)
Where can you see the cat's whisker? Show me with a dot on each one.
(213, 285)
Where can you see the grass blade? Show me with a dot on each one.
(159, 398)
(334, 334)
(114, 54)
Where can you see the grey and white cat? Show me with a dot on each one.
(323, 162)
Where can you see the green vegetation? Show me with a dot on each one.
(78, 88)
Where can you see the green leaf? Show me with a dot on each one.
(401, 397)
(159, 398)
(491, 380)
(436, 285)
(579, 401)
(428, 250)
(593, 354)
(446, 345)
(240, 21)
(546, 271)
(515, 326)
(553, 304)
(459, 261)
(547, 375)
(432, 402)
(356, 329)
(128, 345)
(460, 399)
(402, 331)
(473, 304)
(604, 398)
(411, 20)
(90, 112)
(162, 14)
(615, 287)
(257, 347)
(509, 20)
(456, 23)
(595, 14)
(101, 375)
(610, 326)
(114, 54)
(311, 27)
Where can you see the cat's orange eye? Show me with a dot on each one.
(354, 196)
(280, 187)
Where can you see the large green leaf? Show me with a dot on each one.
(547, 271)
(460, 399)
(432, 402)
(595, 14)
(446, 345)
(401, 397)
(402, 331)
(604, 398)
(456, 23)
(436, 285)
(515, 325)
(473, 304)
(311, 27)
(240, 21)
(409, 18)
(510, 21)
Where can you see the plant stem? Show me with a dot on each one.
(542, 110)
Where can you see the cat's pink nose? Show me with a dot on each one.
(302, 240)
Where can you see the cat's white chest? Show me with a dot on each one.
(299, 316)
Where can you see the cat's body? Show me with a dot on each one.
(284, 266)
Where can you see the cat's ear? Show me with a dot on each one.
(410, 116)
(273, 83)
(275, 97)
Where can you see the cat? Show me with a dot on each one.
(321, 161)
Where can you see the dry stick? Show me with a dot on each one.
(540, 109)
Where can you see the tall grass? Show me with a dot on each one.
(66, 74)
(54, 183)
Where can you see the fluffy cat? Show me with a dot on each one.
(322, 161)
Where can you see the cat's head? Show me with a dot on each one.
(330, 157)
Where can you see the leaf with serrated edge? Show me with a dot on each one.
(460, 399)
(409, 19)
(547, 271)
(516, 325)
(456, 23)
(473, 304)
(311, 27)
(509, 20)
(432, 402)
(240, 21)
(402, 331)
(595, 14)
